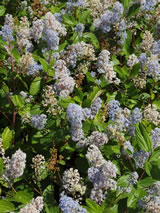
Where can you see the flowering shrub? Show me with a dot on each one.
(80, 107)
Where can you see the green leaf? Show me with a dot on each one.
(115, 60)
(17, 101)
(135, 70)
(49, 201)
(126, 50)
(15, 54)
(35, 86)
(148, 168)
(93, 207)
(2, 10)
(146, 136)
(6, 206)
(156, 103)
(92, 38)
(7, 136)
(113, 209)
(146, 182)
(133, 10)
(44, 64)
(133, 197)
(155, 157)
(23, 197)
(69, 20)
(143, 139)
(83, 16)
(1, 166)
(126, 3)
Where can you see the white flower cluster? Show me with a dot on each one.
(151, 202)
(50, 22)
(98, 7)
(37, 29)
(15, 166)
(79, 51)
(100, 174)
(2, 153)
(151, 114)
(24, 35)
(96, 138)
(29, 65)
(132, 60)
(73, 184)
(50, 101)
(65, 84)
(35, 206)
(147, 41)
(38, 166)
(105, 65)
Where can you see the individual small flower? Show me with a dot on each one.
(39, 121)
(15, 166)
(68, 205)
(79, 29)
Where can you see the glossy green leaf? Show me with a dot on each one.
(6, 206)
(7, 136)
(35, 86)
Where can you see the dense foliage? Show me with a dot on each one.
(80, 107)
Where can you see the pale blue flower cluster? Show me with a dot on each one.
(95, 107)
(111, 17)
(52, 39)
(76, 114)
(6, 33)
(156, 48)
(155, 136)
(33, 69)
(154, 69)
(122, 31)
(39, 121)
(73, 3)
(149, 5)
(140, 158)
(133, 178)
(143, 60)
(113, 108)
(79, 29)
(136, 116)
(127, 146)
(68, 205)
